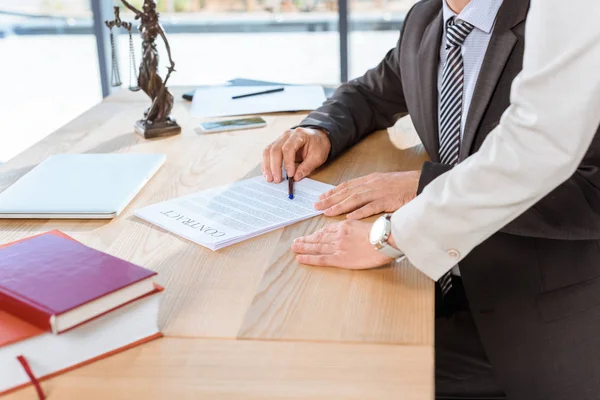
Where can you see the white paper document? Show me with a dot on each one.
(223, 216)
(218, 102)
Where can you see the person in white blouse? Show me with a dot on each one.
(517, 209)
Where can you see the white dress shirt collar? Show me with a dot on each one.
(479, 13)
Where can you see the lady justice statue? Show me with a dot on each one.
(157, 121)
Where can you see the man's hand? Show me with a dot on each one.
(308, 146)
(343, 245)
(370, 195)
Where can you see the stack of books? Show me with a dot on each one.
(64, 305)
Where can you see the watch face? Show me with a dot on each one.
(377, 231)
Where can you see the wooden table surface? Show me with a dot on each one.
(247, 321)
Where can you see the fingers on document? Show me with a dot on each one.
(290, 148)
(270, 153)
(300, 142)
(276, 158)
(372, 208)
(273, 158)
(345, 185)
(346, 200)
(310, 163)
(294, 145)
(266, 164)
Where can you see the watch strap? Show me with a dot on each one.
(390, 251)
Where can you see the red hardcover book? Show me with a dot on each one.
(47, 355)
(50, 355)
(56, 283)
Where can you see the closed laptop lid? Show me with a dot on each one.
(79, 185)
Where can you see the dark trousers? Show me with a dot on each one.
(462, 369)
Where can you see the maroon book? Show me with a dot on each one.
(56, 283)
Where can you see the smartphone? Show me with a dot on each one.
(233, 124)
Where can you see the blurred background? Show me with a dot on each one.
(55, 60)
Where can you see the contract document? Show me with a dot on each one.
(219, 217)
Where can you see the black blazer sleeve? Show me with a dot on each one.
(372, 102)
(569, 212)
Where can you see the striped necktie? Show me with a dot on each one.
(451, 104)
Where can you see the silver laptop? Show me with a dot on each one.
(88, 186)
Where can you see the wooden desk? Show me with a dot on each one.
(246, 321)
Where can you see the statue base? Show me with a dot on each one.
(151, 130)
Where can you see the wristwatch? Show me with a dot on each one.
(380, 233)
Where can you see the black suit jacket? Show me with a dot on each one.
(534, 287)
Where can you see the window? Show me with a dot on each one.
(374, 30)
(53, 69)
(213, 41)
(49, 69)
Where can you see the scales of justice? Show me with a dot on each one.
(157, 121)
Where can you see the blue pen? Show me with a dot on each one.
(290, 188)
